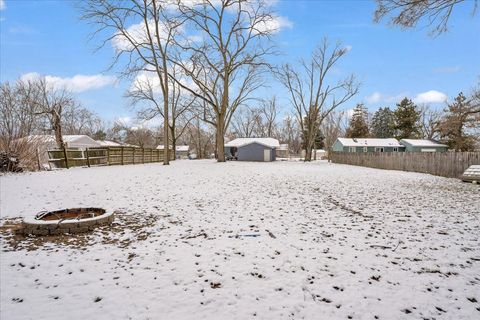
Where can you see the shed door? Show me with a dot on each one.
(266, 155)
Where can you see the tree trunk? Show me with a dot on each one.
(174, 142)
(220, 139)
(57, 127)
(308, 153)
(166, 155)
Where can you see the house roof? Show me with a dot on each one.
(422, 143)
(69, 139)
(240, 142)
(368, 142)
(182, 148)
(177, 148)
(107, 143)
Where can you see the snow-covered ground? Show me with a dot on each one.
(283, 240)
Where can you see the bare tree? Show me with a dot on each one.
(290, 134)
(17, 113)
(332, 128)
(269, 112)
(408, 13)
(227, 65)
(245, 122)
(201, 138)
(312, 95)
(144, 92)
(147, 43)
(430, 120)
(51, 103)
(79, 120)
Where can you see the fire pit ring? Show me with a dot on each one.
(73, 220)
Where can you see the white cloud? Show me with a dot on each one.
(375, 97)
(431, 96)
(77, 83)
(273, 25)
(3, 6)
(378, 97)
(124, 120)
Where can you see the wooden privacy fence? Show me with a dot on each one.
(67, 158)
(445, 164)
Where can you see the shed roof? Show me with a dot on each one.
(369, 142)
(108, 143)
(422, 143)
(240, 142)
(183, 148)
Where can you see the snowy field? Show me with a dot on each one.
(283, 240)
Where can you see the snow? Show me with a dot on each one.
(422, 143)
(370, 142)
(240, 142)
(241, 240)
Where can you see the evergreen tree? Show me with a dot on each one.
(358, 127)
(319, 140)
(382, 125)
(406, 120)
(461, 115)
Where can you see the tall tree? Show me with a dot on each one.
(145, 93)
(430, 120)
(359, 123)
(406, 119)
(332, 128)
(382, 124)
(269, 112)
(312, 94)
(408, 13)
(51, 103)
(228, 64)
(143, 31)
(462, 115)
(246, 122)
(290, 134)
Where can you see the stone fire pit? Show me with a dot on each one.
(73, 220)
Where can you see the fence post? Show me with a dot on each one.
(133, 155)
(122, 155)
(88, 158)
(143, 155)
(65, 156)
(108, 156)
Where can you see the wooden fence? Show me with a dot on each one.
(445, 164)
(67, 158)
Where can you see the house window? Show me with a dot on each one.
(351, 149)
(365, 149)
(379, 149)
(395, 149)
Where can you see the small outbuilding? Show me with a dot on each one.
(367, 145)
(181, 152)
(419, 145)
(252, 149)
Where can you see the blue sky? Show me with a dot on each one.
(47, 37)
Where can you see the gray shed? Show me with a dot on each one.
(252, 149)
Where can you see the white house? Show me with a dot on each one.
(181, 151)
(43, 143)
